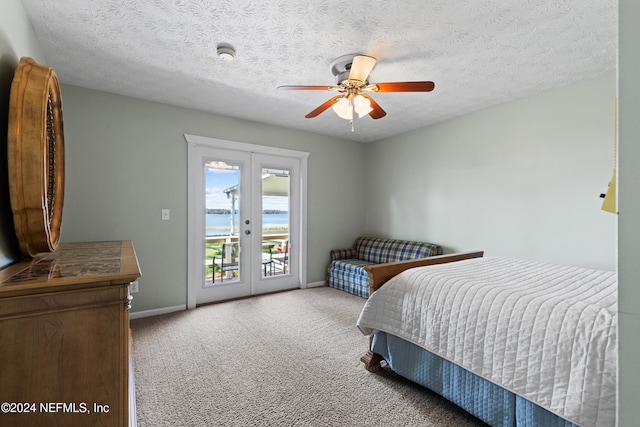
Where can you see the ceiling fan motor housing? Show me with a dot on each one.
(343, 79)
(341, 68)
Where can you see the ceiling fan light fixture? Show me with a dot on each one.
(344, 109)
(362, 106)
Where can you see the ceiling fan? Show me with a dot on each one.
(352, 84)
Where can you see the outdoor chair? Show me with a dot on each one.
(282, 256)
(228, 260)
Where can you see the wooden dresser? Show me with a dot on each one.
(65, 342)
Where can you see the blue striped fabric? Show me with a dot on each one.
(349, 275)
(533, 415)
(485, 400)
(378, 251)
(343, 254)
(346, 271)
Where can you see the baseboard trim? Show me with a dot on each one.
(156, 311)
(316, 284)
(166, 310)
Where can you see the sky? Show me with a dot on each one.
(217, 180)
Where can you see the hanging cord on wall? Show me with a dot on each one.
(609, 203)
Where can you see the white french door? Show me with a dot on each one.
(246, 220)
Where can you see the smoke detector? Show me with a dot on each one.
(226, 53)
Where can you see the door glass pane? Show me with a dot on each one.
(222, 197)
(275, 222)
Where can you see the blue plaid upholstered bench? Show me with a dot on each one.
(346, 271)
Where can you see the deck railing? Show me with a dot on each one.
(231, 238)
(270, 241)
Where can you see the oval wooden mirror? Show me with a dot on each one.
(36, 157)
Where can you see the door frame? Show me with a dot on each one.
(195, 189)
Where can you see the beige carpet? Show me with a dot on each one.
(287, 359)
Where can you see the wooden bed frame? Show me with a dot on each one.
(379, 274)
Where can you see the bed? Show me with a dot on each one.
(514, 342)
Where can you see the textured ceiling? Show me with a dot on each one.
(479, 53)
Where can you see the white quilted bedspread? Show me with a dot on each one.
(544, 332)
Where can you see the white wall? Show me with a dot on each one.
(126, 159)
(17, 37)
(520, 180)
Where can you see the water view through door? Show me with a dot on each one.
(222, 223)
(244, 226)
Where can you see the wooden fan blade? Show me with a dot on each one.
(377, 112)
(323, 107)
(293, 87)
(405, 87)
(361, 67)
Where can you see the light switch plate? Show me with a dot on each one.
(166, 214)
